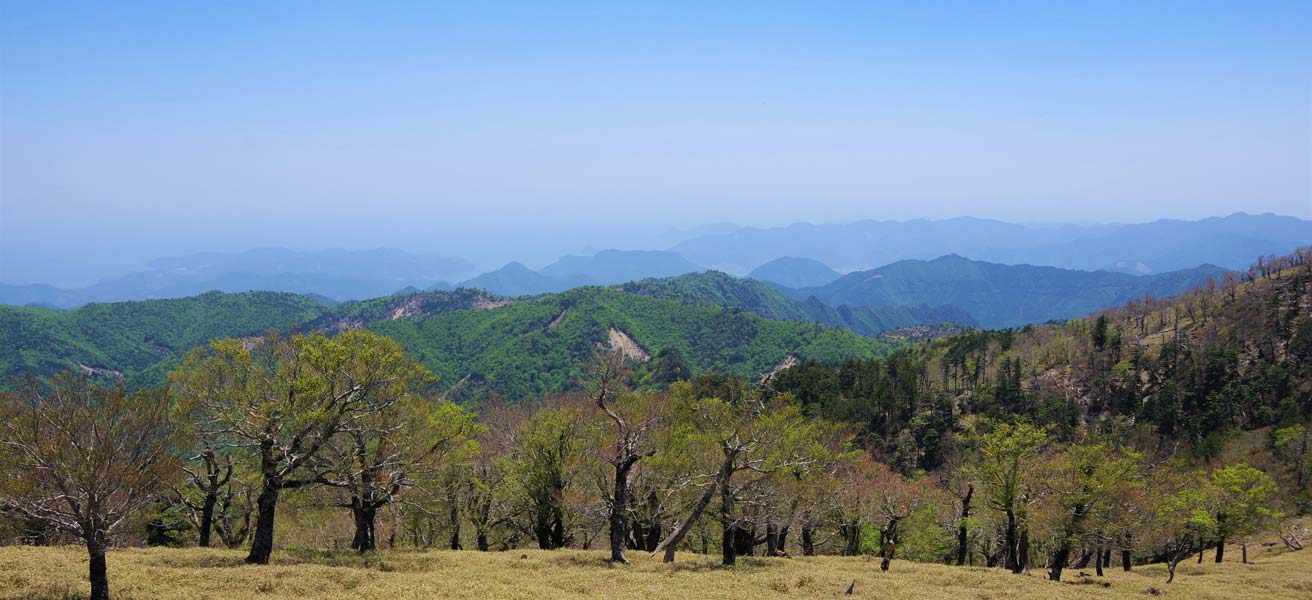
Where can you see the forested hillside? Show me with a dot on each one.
(514, 349)
(998, 295)
(525, 348)
(716, 288)
(1220, 359)
(138, 341)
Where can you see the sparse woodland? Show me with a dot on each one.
(1148, 433)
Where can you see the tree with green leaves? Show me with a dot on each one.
(1008, 453)
(82, 458)
(547, 455)
(1178, 518)
(742, 442)
(1078, 483)
(286, 399)
(1293, 444)
(406, 443)
(1241, 497)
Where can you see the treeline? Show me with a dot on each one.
(346, 426)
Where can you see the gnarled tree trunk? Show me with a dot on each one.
(266, 506)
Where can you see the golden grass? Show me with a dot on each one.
(31, 573)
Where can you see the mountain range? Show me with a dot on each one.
(800, 256)
(1000, 296)
(335, 274)
(1232, 242)
(520, 347)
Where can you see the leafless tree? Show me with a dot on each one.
(83, 458)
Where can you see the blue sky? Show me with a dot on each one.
(501, 130)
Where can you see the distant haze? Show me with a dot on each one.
(527, 131)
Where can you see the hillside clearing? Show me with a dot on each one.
(38, 573)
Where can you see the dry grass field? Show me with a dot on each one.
(60, 573)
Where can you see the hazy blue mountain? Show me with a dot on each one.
(38, 294)
(617, 266)
(1232, 242)
(795, 272)
(864, 244)
(515, 279)
(336, 274)
(1001, 295)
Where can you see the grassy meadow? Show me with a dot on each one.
(31, 573)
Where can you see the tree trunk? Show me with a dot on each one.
(962, 532)
(671, 543)
(619, 521)
(542, 527)
(889, 549)
(455, 526)
(771, 540)
(1243, 553)
(1097, 563)
(1220, 549)
(557, 527)
(1059, 559)
(1024, 560)
(808, 541)
(1083, 560)
(729, 543)
(1013, 551)
(262, 545)
(99, 573)
(1106, 558)
(365, 517)
(207, 516)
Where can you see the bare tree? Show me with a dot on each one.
(631, 442)
(83, 458)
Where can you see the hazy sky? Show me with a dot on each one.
(500, 130)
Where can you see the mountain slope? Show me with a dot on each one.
(1195, 368)
(513, 349)
(515, 279)
(795, 272)
(531, 346)
(617, 266)
(138, 341)
(1001, 295)
(765, 300)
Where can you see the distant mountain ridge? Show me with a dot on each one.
(607, 267)
(1232, 242)
(794, 272)
(337, 274)
(999, 296)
